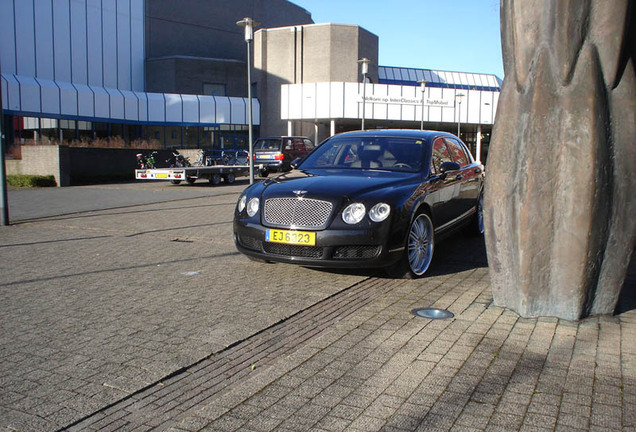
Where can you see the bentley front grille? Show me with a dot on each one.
(297, 212)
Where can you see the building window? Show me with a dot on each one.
(211, 89)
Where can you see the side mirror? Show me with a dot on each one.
(449, 166)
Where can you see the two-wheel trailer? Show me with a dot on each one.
(214, 174)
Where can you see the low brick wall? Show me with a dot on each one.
(40, 160)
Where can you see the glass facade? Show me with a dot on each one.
(80, 133)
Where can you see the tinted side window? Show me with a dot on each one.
(309, 146)
(298, 145)
(440, 155)
(458, 153)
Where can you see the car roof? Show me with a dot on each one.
(405, 133)
(282, 137)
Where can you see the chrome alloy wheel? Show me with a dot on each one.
(420, 244)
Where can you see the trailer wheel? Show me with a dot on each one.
(175, 181)
(229, 178)
(190, 180)
(215, 179)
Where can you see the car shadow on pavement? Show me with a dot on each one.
(455, 254)
(461, 253)
(627, 298)
(458, 253)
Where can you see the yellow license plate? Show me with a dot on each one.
(291, 237)
(162, 175)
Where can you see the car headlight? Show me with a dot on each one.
(379, 212)
(354, 213)
(252, 207)
(242, 203)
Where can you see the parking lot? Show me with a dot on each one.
(127, 307)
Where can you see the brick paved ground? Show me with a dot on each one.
(95, 306)
(133, 341)
(382, 369)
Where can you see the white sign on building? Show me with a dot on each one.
(344, 100)
(402, 100)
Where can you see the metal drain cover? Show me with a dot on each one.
(432, 313)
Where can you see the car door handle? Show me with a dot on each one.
(459, 177)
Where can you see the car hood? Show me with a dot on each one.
(334, 183)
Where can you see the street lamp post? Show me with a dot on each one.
(249, 24)
(364, 64)
(458, 98)
(423, 87)
(4, 204)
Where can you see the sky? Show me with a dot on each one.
(449, 35)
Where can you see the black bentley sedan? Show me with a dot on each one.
(364, 199)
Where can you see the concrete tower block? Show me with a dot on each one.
(560, 204)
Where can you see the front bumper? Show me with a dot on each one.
(351, 248)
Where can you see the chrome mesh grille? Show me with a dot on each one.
(308, 213)
(356, 252)
(293, 250)
(250, 242)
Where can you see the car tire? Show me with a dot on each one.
(263, 173)
(175, 182)
(418, 253)
(190, 180)
(215, 180)
(229, 178)
(476, 227)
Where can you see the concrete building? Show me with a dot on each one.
(458, 102)
(307, 54)
(173, 74)
(169, 73)
(195, 47)
(311, 84)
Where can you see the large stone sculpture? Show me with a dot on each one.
(560, 205)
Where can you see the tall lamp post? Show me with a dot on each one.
(458, 98)
(364, 64)
(249, 24)
(4, 204)
(423, 87)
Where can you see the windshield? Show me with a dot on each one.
(384, 153)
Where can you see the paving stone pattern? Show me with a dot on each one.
(382, 369)
(95, 306)
(145, 318)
